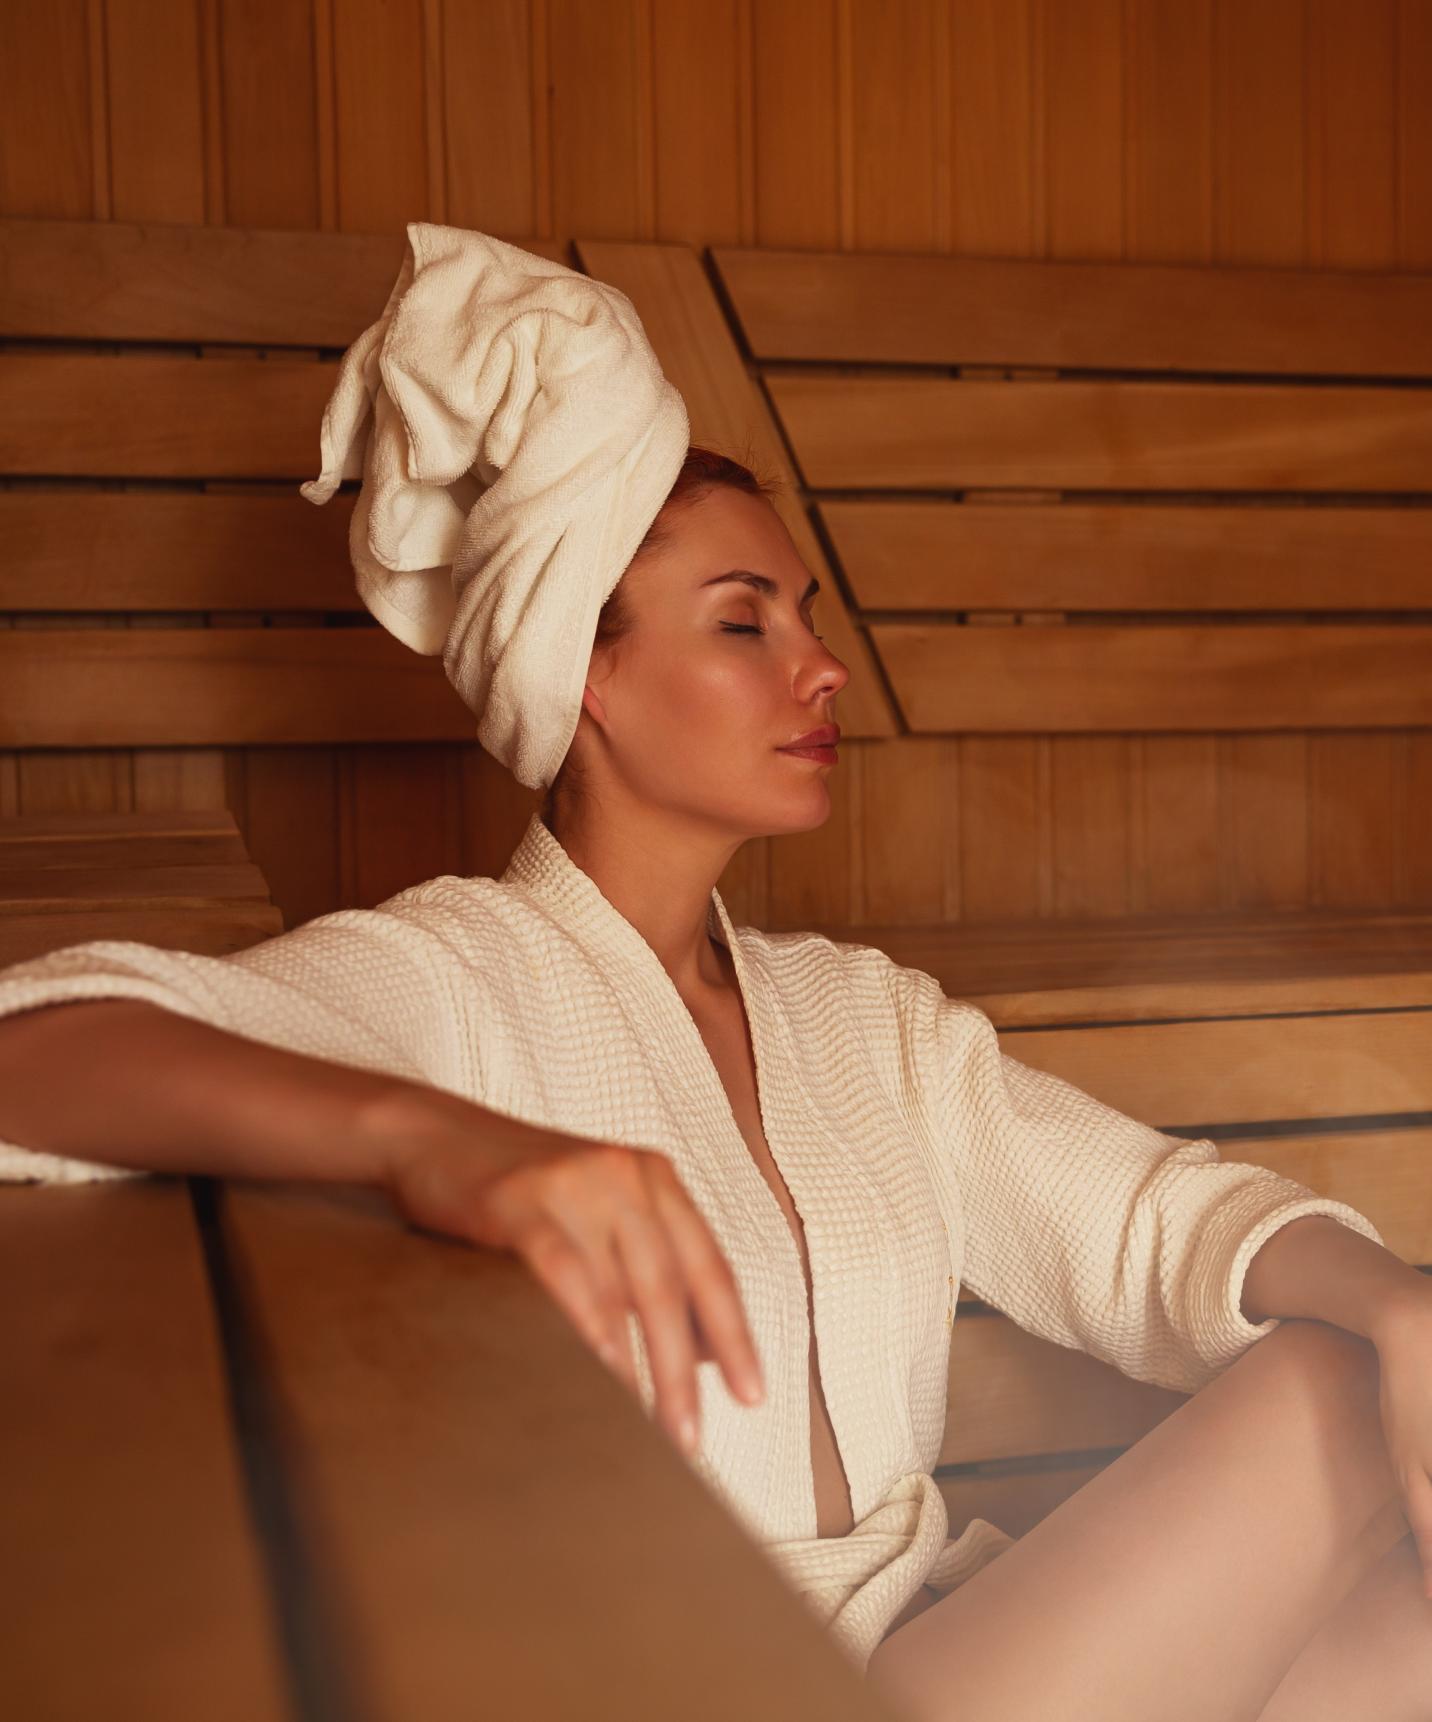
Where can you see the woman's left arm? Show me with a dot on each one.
(1317, 1268)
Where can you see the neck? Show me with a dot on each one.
(658, 874)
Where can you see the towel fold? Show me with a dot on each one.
(516, 438)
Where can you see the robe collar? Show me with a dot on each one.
(549, 874)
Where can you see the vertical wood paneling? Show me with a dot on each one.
(1259, 216)
(599, 70)
(156, 110)
(796, 123)
(1082, 89)
(269, 123)
(491, 81)
(1413, 203)
(379, 95)
(1005, 838)
(1356, 783)
(697, 97)
(45, 77)
(1168, 189)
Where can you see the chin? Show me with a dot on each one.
(784, 815)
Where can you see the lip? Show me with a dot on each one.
(826, 736)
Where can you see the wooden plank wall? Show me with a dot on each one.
(1201, 131)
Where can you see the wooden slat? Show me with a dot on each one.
(921, 433)
(1385, 1174)
(120, 850)
(1113, 680)
(1238, 1070)
(230, 880)
(132, 1586)
(73, 549)
(221, 688)
(81, 829)
(152, 281)
(37, 926)
(692, 337)
(61, 414)
(901, 308)
(466, 1463)
(933, 554)
(1154, 966)
(1012, 1393)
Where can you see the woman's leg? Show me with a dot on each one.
(1372, 1657)
(1184, 1580)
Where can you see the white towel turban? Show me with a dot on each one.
(521, 441)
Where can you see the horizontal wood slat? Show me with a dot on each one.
(920, 433)
(903, 308)
(87, 415)
(1144, 967)
(123, 1516)
(1097, 679)
(153, 281)
(1013, 1394)
(221, 687)
(1239, 1070)
(177, 923)
(466, 1462)
(73, 549)
(933, 554)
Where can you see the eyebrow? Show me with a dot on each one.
(761, 582)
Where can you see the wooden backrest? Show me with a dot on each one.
(1153, 456)
(161, 389)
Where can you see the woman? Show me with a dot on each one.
(739, 1160)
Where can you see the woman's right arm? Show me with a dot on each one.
(126, 1083)
(605, 1228)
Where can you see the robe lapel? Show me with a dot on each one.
(838, 1201)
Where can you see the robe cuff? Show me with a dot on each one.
(1236, 1230)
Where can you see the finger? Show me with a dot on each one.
(659, 1292)
(714, 1292)
(615, 1294)
(560, 1268)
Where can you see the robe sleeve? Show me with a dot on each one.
(1093, 1230)
(377, 989)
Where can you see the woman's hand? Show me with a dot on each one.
(1404, 1350)
(604, 1227)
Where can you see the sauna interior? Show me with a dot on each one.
(1087, 345)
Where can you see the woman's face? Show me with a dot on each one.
(691, 709)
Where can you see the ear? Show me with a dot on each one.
(592, 702)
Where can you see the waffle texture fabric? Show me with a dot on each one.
(920, 1155)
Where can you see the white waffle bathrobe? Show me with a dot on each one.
(919, 1156)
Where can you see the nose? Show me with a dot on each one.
(831, 673)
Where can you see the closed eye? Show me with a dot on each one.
(746, 628)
